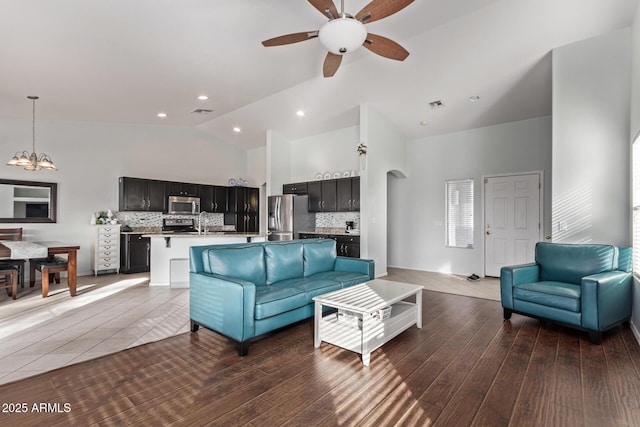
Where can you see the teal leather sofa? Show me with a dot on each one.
(587, 287)
(248, 289)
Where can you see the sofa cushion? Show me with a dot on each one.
(278, 298)
(243, 262)
(570, 263)
(284, 261)
(314, 287)
(319, 256)
(345, 278)
(565, 296)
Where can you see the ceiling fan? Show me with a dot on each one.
(344, 33)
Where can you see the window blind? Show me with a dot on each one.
(459, 215)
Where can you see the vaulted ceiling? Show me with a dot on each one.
(124, 61)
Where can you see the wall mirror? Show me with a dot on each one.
(28, 201)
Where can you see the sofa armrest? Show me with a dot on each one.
(515, 275)
(356, 265)
(605, 299)
(223, 304)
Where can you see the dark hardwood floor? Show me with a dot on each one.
(464, 367)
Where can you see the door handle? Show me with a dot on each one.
(488, 232)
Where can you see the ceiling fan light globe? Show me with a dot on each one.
(342, 35)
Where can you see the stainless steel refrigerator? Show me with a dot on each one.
(288, 215)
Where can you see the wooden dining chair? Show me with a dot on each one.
(13, 234)
(50, 269)
(10, 275)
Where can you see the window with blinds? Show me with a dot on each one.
(636, 204)
(459, 215)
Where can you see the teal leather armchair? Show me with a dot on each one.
(587, 287)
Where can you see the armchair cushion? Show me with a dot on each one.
(553, 294)
(570, 263)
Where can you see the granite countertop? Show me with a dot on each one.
(194, 234)
(332, 232)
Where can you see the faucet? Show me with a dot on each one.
(199, 222)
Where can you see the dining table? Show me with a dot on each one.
(52, 248)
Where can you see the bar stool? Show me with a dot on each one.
(10, 275)
(50, 269)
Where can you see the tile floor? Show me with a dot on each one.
(114, 312)
(109, 314)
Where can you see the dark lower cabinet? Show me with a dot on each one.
(135, 253)
(347, 246)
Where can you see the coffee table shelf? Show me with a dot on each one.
(364, 300)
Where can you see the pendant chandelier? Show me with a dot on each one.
(33, 161)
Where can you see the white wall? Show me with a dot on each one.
(386, 153)
(417, 204)
(635, 130)
(591, 168)
(327, 152)
(90, 158)
(278, 156)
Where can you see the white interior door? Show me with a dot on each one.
(512, 220)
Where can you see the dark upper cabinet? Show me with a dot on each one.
(348, 194)
(213, 198)
(183, 189)
(138, 194)
(244, 206)
(322, 195)
(299, 188)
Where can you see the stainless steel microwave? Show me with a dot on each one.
(182, 205)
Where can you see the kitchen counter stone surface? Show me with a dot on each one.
(332, 232)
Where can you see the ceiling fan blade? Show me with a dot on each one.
(323, 6)
(290, 38)
(331, 64)
(379, 9)
(385, 47)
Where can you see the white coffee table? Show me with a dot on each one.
(354, 327)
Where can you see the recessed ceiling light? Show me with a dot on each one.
(203, 97)
(300, 113)
(162, 115)
(236, 129)
(424, 122)
(474, 98)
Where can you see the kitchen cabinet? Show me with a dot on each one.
(322, 195)
(348, 194)
(137, 194)
(135, 253)
(347, 246)
(213, 198)
(183, 189)
(105, 248)
(243, 209)
(299, 188)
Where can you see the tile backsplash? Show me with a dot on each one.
(154, 219)
(337, 219)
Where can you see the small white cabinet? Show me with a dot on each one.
(105, 248)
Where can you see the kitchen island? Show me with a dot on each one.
(170, 253)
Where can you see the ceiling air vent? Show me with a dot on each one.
(201, 111)
(436, 104)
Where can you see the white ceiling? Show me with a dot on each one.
(123, 61)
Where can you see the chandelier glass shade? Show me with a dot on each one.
(342, 35)
(32, 161)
